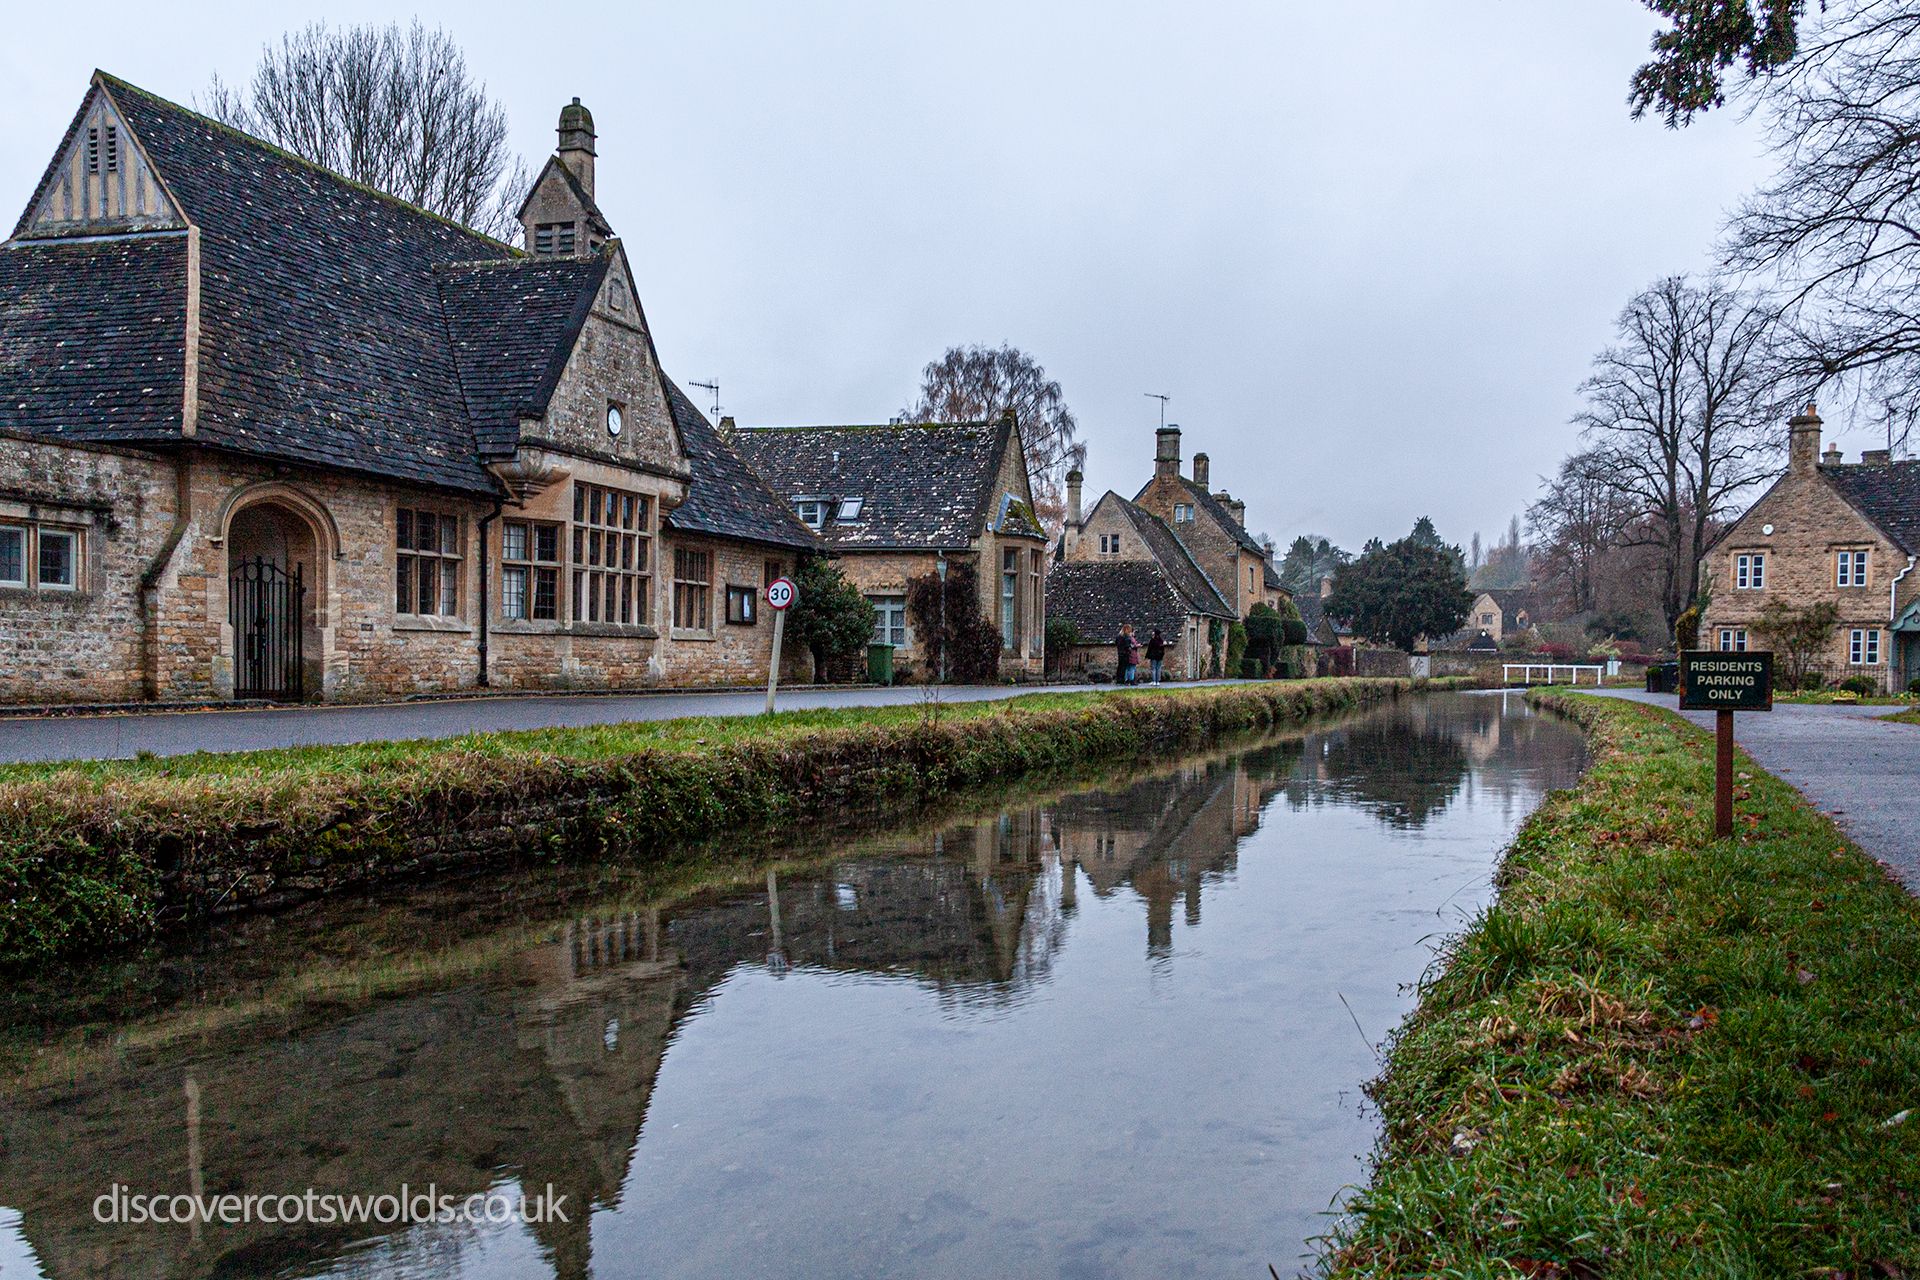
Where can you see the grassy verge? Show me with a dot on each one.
(94, 857)
(1906, 717)
(1659, 1054)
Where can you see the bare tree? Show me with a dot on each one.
(392, 107)
(1576, 523)
(1839, 224)
(979, 383)
(1679, 416)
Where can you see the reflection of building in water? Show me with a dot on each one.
(1163, 837)
(541, 1071)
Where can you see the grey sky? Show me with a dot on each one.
(1369, 259)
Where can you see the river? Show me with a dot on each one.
(1117, 1030)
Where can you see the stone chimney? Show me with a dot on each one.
(576, 143)
(727, 427)
(1831, 458)
(1202, 469)
(1803, 441)
(1074, 481)
(1877, 457)
(1166, 453)
(1326, 587)
(1235, 508)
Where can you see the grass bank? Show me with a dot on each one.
(97, 856)
(1659, 1054)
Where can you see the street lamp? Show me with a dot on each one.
(940, 567)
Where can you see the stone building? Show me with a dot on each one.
(265, 432)
(1123, 564)
(1826, 531)
(897, 502)
(1212, 524)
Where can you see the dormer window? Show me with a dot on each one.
(812, 511)
(850, 509)
(554, 237)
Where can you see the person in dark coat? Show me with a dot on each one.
(1157, 654)
(1126, 655)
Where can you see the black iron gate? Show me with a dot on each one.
(266, 604)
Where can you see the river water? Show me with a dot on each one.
(1117, 1031)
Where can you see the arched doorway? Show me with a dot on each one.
(273, 590)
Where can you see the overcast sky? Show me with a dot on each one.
(1369, 258)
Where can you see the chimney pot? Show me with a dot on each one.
(1166, 453)
(1803, 440)
(1831, 458)
(1202, 469)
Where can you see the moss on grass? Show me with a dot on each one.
(1659, 1054)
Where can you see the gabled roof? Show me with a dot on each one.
(1886, 493)
(112, 366)
(1320, 628)
(321, 332)
(513, 323)
(1176, 562)
(1270, 576)
(592, 210)
(1212, 506)
(1099, 596)
(922, 486)
(725, 498)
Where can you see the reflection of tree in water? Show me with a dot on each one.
(1401, 766)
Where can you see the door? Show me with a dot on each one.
(265, 603)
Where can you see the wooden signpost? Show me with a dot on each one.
(1724, 683)
(780, 594)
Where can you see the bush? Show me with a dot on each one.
(1236, 647)
(1686, 628)
(1913, 686)
(971, 641)
(1063, 635)
(1556, 652)
(1813, 681)
(1862, 685)
(829, 616)
(1250, 669)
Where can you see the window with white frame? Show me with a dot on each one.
(1109, 544)
(1750, 571)
(530, 571)
(612, 555)
(1183, 513)
(1863, 647)
(1850, 569)
(40, 555)
(1009, 597)
(1733, 639)
(812, 512)
(889, 620)
(851, 510)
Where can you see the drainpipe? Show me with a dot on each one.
(1893, 615)
(486, 576)
(150, 576)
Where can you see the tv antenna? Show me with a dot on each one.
(714, 387)
(1152, 395)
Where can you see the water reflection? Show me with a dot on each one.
(939, 1053)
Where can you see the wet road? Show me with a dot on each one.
(1849, 761)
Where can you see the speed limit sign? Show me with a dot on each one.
(780, 593)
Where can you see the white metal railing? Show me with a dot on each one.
(1573, 670)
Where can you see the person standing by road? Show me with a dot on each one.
(1157, 654)
(1126, 655)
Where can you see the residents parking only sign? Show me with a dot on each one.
(1711, 680)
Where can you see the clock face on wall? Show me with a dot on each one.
(614, 422)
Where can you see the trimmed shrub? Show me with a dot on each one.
(1862, 685)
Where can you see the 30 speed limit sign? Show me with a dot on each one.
(780, 593)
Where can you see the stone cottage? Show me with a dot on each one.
(265, 432)
(1212, 525)
(897, 502)
(1826, 531)
(1120, 563)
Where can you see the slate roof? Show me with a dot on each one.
(113, 368)
(1212, 506)
(1320, 628)
(923, 486)
(725, 498)
(512, 323)
(1177, 563)
(1887, 493)
(1099, 596)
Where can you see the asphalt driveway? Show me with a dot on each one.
(168, 733)
(1848, 761)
